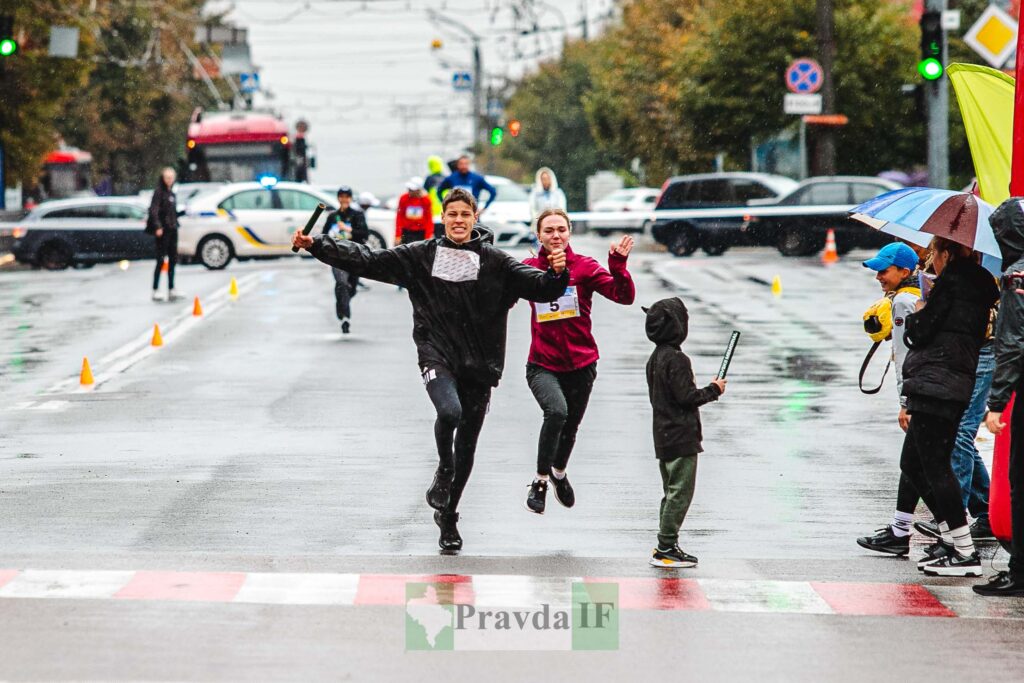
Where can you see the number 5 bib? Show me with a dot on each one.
(567, 306)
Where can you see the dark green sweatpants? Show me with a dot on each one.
(678, 479)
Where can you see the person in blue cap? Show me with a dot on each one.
(895, 266)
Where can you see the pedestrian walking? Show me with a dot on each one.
(465, 179)
(1008, 224)
(345, 223)
(563, 357)
(944, 338)
(461, 288)
(676, 401)
(162, 224)
(414, 219)
(545, 193)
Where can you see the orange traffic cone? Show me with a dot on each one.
(197, 309)
(85, 379)
(164, 268)
(157, 339)
(830, 255)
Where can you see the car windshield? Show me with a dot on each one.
(508, 192)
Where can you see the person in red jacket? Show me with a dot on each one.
(415, 218)
(563, 354)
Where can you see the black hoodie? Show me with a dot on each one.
(460, 294)
(1008, 223)
(675, 397)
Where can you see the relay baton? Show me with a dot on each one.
(311, 222)
(727, 358)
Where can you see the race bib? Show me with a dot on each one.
(340, 230)
(456, 265)
(467, 188)
(414, 213)
(566, 306)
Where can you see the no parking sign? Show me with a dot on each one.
(804, 76)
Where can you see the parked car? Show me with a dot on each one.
(803, 234)
(83, 231)
(707, 191)
(635, 199)
(509, 216)
(248, 220)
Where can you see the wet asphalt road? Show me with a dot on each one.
(258, 439)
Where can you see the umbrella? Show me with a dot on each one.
(917, 214)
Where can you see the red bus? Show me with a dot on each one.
(239, 146)
(67, 172)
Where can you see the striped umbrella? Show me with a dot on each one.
(916, 214)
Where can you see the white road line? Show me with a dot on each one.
(727, 595)
(299, 589)
(35, 583)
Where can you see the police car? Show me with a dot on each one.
(255, 220)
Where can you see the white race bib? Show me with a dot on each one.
(566, 306)
(414, 213)
(456, 265)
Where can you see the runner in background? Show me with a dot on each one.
(414, 220)
(347, 223)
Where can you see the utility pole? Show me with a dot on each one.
(936, 95)
(825, 140)
(479, 130)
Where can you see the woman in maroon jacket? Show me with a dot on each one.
(563, 354)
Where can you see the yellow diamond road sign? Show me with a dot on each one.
(993, 36)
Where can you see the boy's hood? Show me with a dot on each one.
(668, 321)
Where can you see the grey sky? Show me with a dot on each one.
(353, 68)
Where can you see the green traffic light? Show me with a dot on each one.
(930, 69)
(8, 47)
(497, 135)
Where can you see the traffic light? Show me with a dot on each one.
(931, 67)
(8, 45)
(514, 127)
(436, 44)
(497, 135)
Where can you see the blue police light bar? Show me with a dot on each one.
(267, 181)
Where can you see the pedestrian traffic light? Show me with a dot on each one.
(8, 45)
(932, 36)
(514, 127)
(497, 135)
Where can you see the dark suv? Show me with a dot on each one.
(709, 191)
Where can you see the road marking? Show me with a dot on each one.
(494, 590)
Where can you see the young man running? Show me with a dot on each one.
(461, 289)
(563, 354)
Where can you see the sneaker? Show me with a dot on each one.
(933, 553)
(563, 491)
(929, 529)
(440, 489)
(345, 327)
(157, 296)
(1002, 584)
(672, 558)
(536, 498)
(981, 530)
(955, 565)
(885, 541)
(450, 540)
(172, 295)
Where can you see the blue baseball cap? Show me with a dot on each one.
(895, 254)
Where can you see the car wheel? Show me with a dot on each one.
(715, 249)
(215, 252)
(796, 242)
(681, 240)
(54, 256)
(376, 240)
(602, 232)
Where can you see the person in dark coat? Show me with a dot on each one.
(461, 288)
(676, 401)
(347, 222)
(162, 223)
(944, 338)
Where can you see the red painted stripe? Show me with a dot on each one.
(882, 599)
(657, 594)
(6, 575)
(389, 589)
(196, 586)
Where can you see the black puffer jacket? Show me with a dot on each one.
(163, 210)
(1008, 223)
(460, 293)
(945, 337)
(674, 395)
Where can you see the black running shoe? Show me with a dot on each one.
(929, 529)
(535, 499)
(672, 558)
(1002, 584)
(563, 491)
(885, 541)
(450, 540)
(981, 530)
(345, 327)
(440, 490)
(933, 553)
(955, 565)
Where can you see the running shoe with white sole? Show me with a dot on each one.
(672, 558)
(955, 565)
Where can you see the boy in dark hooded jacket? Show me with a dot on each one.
(676, 400)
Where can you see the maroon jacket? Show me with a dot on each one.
(563, 344)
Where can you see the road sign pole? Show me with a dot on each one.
(803, 148)
(1017, 165)
(937, 101)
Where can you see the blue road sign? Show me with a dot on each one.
(249, 82)
(804, 76)
(462, 80)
